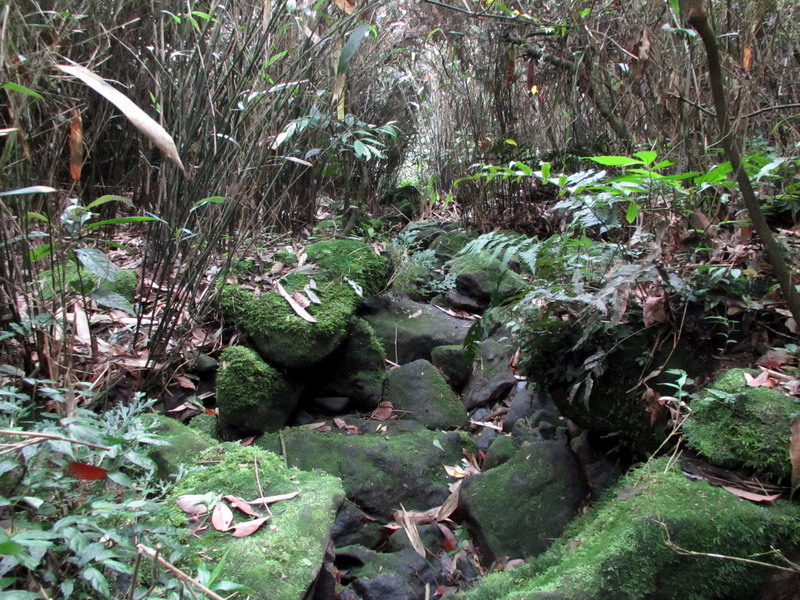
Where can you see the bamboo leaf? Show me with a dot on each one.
(157, 134)
(350, 48)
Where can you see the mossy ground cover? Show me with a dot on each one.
(739, 426)
(619, 549)
(282, 558)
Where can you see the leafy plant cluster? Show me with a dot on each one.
(77, 496)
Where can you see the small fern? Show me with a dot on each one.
(506, 247)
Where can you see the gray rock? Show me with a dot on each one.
(352, 526)
(410, 330)
(204, 364)
(502, 449)
(452, 362)
(491, 378)
(525, 401)
(518, 508)
(401, 575)
(419, 391)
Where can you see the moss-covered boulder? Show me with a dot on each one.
(252, 396)
(183, 445)
(280, 335)
(281, 560)
(410, 330)
(205, 424)
(402, 575)
(483, 277)
(452, 361)
(492, 377)
(628, 546)
(380, 469)
(356, 370)
(736, 426)
(341, 260)
(518, 508)
(419, 392)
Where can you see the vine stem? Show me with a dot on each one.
(177, 572)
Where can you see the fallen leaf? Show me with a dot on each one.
(144, 123)
(301, 299)
(456, 471)
(384, 411)
(248, 527)
(762, 380)
(416, 314)
(243, 505)
(451, 504)
(272, 499)
(443, 591)
(221, 517)
(247, 441)
(81, 470)
(486, 424)
(299, 310)
(752, 496)
(311, 295)
(450, 541)
(193, 504)
(75, 145)
(794, 454)
(185, 382)
(413, 533)
(654, 310)
(775, 359)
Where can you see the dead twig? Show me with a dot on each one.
(52, 436)
(177, 572)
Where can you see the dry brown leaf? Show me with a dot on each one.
(348, 6)
(75, 145)
(752, 496)
(457, 471)
(193, 504)
(82, 332)
(413, 533)
(243, 505)
(654, 310)
(451, 504)
(272, 499)
(794, 454)
(384, 411)
(301, 312)
(762, 380)
(221, 517)
(248, 527)
(301, 299)
(155, 132)
(185, 382)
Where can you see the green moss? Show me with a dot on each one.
(205, 424)
(184, 445)
(73, 278)
(619, 551)
(352, 259)
(735, 425)
(284, 338)
(281, 560)
(500, 281)
(252, 396)
(124, 284)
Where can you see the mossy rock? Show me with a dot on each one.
(338, 260)
(446, 246)
(252, 396)
(75, 278)
(279, 334)
(184, 445)
(355, 371)
(380, 470)
(517, 509)
(282, 559)
(482, 276)
(452, 361)
(419, 392)
(619, 550)
(736, 426)
(205, 424)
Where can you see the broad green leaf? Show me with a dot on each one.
(37, 216)
(615, 161)
(15, 87)
(104, 297)
(546, 170)
(96, 262)
(350, 48)
(511, 142)
(110, 198)
(119, 220)
(646, 156)
(633, 212)
(210, 200)
(18, 595)
(10, 547)
(39, 252)
(34, 189)
(361, 149)
(97, 580)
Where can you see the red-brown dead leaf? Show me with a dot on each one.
(81, 470)
(341, 424)
(443, 591)
(271, 499)
(762, 380)
(775, 359)
(654, 310)
(384, 411)
(193, 504)
(248, 441)
(248, 527)
(75, 145)
(243, 505)
(794, 454)
(221, 517)
(185, 382)
(301, 299)
(450, 542)
(752, 496)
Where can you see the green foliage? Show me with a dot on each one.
(76, 538)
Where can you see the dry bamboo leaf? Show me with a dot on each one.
(301, 312)
(272, 499)
(75, 145)
(413, 533)
(753, 497)
(144, 123)
(794, 454)
(451, 504)
(248, 527)
(243, 505)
